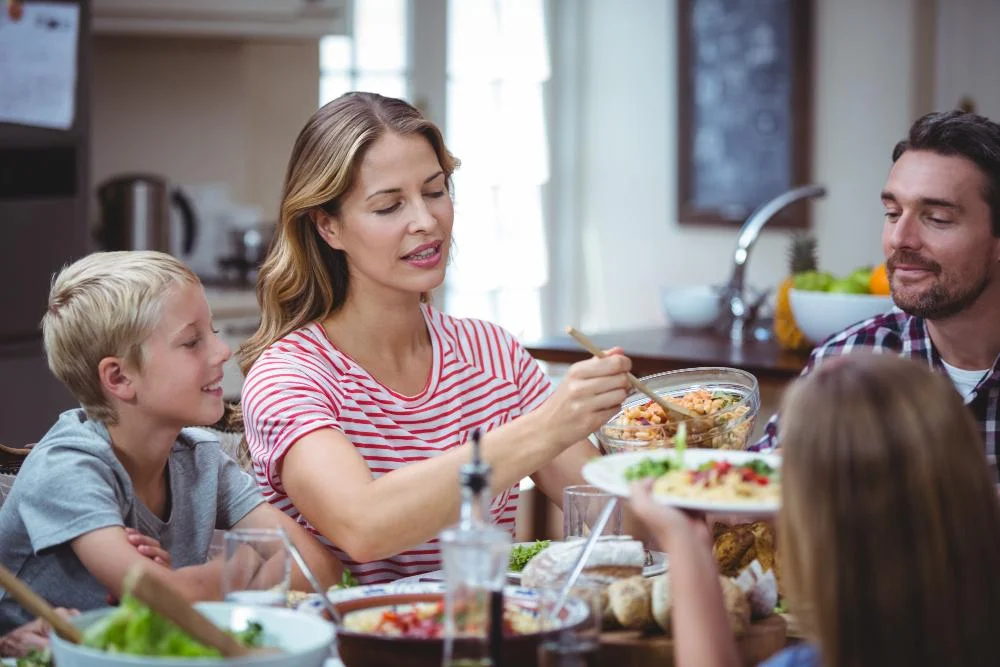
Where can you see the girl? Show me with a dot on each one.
(889, 529)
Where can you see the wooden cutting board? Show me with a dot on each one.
(630, 648)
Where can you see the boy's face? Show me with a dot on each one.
(179, 384)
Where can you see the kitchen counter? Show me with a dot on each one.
(663, 349)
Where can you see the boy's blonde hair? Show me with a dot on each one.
(105, 305)
(890, 524)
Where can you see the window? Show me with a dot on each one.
(491, 85)
(498, 64)
(374, 59)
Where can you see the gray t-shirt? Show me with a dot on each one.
(72, 484)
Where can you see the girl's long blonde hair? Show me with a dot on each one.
(890, 527)
(303, 278)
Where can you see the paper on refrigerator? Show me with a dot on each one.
(38, 67)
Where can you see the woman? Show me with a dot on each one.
(889, 529)
(359, 395)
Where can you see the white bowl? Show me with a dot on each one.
(304, 639)
(819, 315)
(692, 306)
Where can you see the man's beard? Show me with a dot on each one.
(937, 302)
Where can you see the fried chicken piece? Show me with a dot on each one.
(764, 542)
(734, 549)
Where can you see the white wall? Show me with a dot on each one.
(867, 91)
(968, 50)
(202, 110)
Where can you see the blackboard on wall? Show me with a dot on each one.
(744, 107)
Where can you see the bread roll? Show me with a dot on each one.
(608, 620)
(613, 558)
(630, 602)
(661, 603)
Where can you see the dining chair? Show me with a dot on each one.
(11, 459)
(230, 430)
(10, 462)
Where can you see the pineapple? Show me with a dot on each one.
(801, 257)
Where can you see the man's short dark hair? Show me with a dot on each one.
(968, 135)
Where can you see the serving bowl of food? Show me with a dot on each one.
(133, 636)
(403, 626)
(726, 401)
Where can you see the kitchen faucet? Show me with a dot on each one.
(738, 312)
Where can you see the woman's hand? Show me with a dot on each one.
(590, 394)
(35, 635)
(667, 524)
(149, 547)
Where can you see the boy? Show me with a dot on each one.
(130, 334)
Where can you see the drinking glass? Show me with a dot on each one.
(577, 645)
(582, 504)
(257, 569)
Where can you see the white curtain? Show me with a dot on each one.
(498, 63)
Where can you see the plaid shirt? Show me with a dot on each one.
(907, 336)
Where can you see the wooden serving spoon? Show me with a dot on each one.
(35, 604)
(166, 601)
(636, 383)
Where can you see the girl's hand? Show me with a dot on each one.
(667, 524)
(35, 635)
(149, 547)
(590, 394)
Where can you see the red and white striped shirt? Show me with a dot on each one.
(480, 377)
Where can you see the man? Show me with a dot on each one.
(941, 239)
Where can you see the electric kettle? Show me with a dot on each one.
(135, 214)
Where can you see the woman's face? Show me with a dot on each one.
(395, 224)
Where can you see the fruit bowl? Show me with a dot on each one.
(820, 315)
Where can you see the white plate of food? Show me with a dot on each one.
(708, 480)
(522, 552)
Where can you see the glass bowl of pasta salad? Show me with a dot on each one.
(726, 400)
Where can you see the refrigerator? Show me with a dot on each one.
(44, 192)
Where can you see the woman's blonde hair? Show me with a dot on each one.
(105, 305)
(890, 523)
(303, 278)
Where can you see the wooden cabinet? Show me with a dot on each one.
(282, 19)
